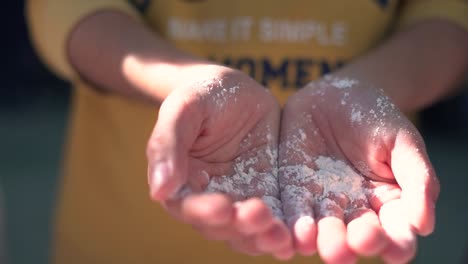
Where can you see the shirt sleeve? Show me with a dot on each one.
(413, 11)
(51, 21)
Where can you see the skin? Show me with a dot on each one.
(186, 143)
(389, 145)
(384, 223)
(190, 142)
(204, 129)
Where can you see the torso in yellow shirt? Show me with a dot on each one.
(104, 213)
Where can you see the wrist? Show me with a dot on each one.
(158, 79)
(364, 71)
(339, 92)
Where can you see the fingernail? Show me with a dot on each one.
(159, 177)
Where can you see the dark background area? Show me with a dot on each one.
(33, 110)
(27, 80)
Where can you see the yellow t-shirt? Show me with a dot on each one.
(104, 213)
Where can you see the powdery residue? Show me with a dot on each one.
(296, 146)
(302, 187)
(244, 184)
(271, 153)
(343, 83)
(225, 94)
(302, 134)
(216, 89)
(247, 180)
(327, 207)
(275, 205)
(384, 105)
(375, 113)
(297, 139)
(339, 82)
(338, 178)
(380, 191)
(356, 115)
(297, 202)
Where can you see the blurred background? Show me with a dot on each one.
(33, 118)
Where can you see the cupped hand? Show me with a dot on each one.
(213, 160)
(354, 175)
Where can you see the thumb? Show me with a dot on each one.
(176, 129)
(416, 177)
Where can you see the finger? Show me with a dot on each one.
(173, 208)
(305, 235)
(221, 233)
(298, 210)
(300, 142)
(284, 254)
(365, 235)
(178, 126)
(275, 206)
(331, 239)
(244, 184)
(380, 193)
(196, 183)
(246, 245)
(204, 209)
(252, 216)
(420, 187)
(275, 238)
(402, 240)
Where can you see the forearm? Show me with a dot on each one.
(117, 54)
(415, 67)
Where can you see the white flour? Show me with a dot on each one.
(356, 115)
(218, 92)
(343, 83)
(332, 178)
(244, 184)
(379, 109)
(275, 205)
(247, 181)
(297, 201)
(338, 178)
(304, 189)
(381, 112)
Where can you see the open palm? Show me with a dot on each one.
(213, 160)
(354, 175)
